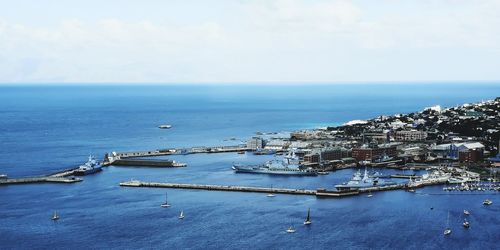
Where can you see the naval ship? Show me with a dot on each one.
(363, 182)
(288, 166)
(90, 167)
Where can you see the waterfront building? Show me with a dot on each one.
(452, 150)
(329, 154)
(410, 135)
(366, 153)
(277, 144)
(255, 143)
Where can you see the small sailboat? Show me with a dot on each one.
(270, 194)
(181, 216)
(447, 231)
(290, 230)
(487, 202)
(165, 204)
(55, 216)
(466, 212)
(466, 223)
(308, 218)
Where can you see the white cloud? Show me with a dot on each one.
(267, 41)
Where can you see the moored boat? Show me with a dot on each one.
(288, 166)
(90, 167)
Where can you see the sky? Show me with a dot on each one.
(261, 41)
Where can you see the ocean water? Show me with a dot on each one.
(44, 129)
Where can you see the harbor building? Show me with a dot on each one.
(255, 143)
(329, 154)
(410, 135)
(366, 153)
(452, 150)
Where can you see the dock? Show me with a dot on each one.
(218, 188)
(144, 162)
(28, 180)
(180, 151)
(320, 192)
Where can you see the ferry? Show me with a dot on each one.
(90, 167)
(288, 166)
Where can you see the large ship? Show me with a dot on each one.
(363, 182)
(90, 167)
(288, 166)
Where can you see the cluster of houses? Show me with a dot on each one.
(467, 134)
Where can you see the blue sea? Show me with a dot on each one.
(47, 128)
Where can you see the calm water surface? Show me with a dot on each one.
(45, 129)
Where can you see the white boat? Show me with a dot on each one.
(290, 230)
(447, 231)
(466, 223)
(165, 204)
(271, 194)
(55, 216)
(165, 126)
(466, 212)
(487, 202)
(181, 216)
(308, 218)
(369, 194)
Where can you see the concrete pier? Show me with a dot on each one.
(145, 163)
(28, 180)
(218, 188)
(321, 192)
(180, 151)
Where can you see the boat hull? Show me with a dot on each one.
(87, 172)
(273, 172)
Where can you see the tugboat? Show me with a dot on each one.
(487, 202)
(90, 167)
(308, 218)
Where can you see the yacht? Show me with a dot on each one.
(466, 223)
(487, 202)
(447, 231)
(165, 126)
(165, 204)
(55, 216)
(466, 212)
(308, 218)
(290, 230)
(181, 216)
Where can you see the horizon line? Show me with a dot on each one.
(275, 83)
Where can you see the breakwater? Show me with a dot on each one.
(28, 180)
(321, 192)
